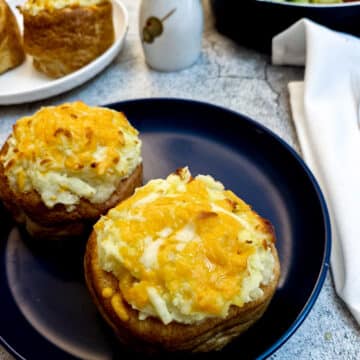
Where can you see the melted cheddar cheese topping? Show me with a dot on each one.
(35, 6)
(185, 249)
(69, 152)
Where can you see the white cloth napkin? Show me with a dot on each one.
(325, 109)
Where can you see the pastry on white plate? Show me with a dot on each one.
(11, 46)
(63, 36)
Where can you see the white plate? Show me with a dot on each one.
(25, 84)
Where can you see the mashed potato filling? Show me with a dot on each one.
(71, 151)
(35, 6)
(185, 249)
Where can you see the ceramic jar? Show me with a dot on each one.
(171, 32)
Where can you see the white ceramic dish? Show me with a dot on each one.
(25, 84)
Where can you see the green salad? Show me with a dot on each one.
(316, 1)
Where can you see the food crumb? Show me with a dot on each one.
(328, 336)
(107, 292)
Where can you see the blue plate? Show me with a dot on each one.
(45, 309)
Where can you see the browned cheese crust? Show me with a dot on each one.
(11, 48)
(42, 222)
(151, 335)
(64, 40)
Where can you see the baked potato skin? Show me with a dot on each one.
(42, 222)
(151, 335)
(11, 46)
(62, 41)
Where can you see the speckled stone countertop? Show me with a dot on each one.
(242, 80)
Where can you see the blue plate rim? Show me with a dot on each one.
(325, 213)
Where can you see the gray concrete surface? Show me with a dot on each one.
(242, 80)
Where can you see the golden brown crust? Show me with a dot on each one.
(11, 48)
(64, 40)
(151, 335)
(40, 221)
